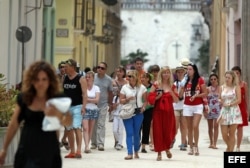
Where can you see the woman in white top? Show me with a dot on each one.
(178, 109)
(92, 111)
(118, 127)
(133, 92)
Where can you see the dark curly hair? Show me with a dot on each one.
(30, 76)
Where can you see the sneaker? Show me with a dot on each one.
(93, 146)
(101, 147)
(116, 142)
(182, 148)
(118, 147)
(143, 151)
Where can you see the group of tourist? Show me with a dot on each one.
(165, 100)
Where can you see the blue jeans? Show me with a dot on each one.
(132, 128)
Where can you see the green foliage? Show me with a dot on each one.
(7, 101)
(129, 59)
(203, 57)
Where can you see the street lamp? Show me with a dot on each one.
(48, 3)
(106, 29)
(107, 36)
(90, 27)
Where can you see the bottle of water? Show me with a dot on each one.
(184, 80)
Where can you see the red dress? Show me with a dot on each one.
(163, 121)
(243, 107)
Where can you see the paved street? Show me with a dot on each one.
(113, 158)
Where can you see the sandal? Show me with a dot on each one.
(196, 151)
(70, 155)
(211, 146)
(65, 144)
(136, 156)
(191, 151)
(129, 157)
(215, 147)
(87, 151)
(169, 154)
(159, 158)
(78, 155)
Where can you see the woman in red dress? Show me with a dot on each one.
(162, 94)
(242, 105)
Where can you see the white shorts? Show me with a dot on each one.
(190, 110)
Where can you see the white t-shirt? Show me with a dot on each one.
(179, 104)
(92, 94)
(128, 91)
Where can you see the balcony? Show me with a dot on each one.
(166, 5)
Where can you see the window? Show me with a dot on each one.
(79, 14)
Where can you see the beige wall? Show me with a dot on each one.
(64, 46)
(218, 38)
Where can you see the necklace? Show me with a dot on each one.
(213, 89)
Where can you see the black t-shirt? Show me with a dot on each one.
(72, 88)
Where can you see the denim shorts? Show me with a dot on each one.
(91, 114)
(76, 113)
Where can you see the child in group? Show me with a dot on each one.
(118, 126)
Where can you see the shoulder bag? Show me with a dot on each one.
(127, 110)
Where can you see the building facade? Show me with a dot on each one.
(15, 55)
(167, 30)
(89, 32)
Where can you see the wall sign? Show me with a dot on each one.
(62, 22)
(62, 32)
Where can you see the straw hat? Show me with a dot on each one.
(178, 68)
(185, 62)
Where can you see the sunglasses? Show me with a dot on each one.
(129, 76)
(155, 70)
(69, 62)
(102, 68)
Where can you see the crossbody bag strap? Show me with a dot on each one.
(136, 98)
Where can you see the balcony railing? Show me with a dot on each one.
(173, 6)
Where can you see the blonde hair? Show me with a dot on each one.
(235, 80)
(135, 74)
(171, 78)
(92, 73)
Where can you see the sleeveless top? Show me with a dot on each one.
(72, 88)
(214, 105)
(230, 115)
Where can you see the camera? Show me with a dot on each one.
(159, 91)
(137, 110)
